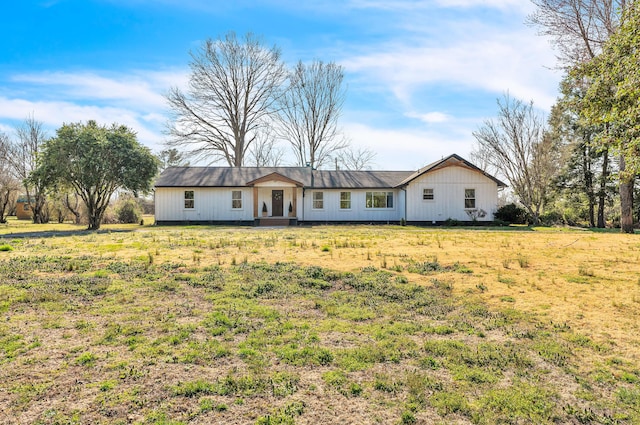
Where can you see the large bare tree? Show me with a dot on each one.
(309, 112)
(579, 30)
(21, 155)
(517, 145)
(232, 89)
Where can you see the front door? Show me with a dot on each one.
(276, 202)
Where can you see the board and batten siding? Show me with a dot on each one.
(331, 211)
(449, 186)
(210, 204)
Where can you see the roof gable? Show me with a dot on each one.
(275, 176)
(453, 160)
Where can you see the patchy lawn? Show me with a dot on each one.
(362, 324)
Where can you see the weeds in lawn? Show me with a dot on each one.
(231, 325)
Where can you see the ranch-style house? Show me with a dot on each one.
(451, 188)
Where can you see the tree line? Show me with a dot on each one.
(579, 165)
(82, 166)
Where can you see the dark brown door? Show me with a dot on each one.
(276, 202)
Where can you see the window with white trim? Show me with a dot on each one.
(469, 198)
(318, 200)
(427, 194)
(345, 200)
(189, 199)
(379, 200)
(236, 199)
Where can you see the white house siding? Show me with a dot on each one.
(331, 211)
(449, 186)
(210, 204)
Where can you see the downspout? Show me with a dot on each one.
(404, 189)
(304, 189)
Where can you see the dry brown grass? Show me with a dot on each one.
(589, 280)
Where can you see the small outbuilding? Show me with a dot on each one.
(23, 208)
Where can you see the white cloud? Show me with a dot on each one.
(430, 117)
(134, 99)
(486, 59)
(406, 149)
(54, 113)
(144, 89)
(520, 5)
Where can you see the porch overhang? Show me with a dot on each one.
(274, 180)
(274, 177)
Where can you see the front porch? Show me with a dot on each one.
(275, 200)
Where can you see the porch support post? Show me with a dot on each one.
(255, 201)
(295, 199)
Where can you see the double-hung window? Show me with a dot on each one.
(345, 200)
(427, 194)
(379, 200)
(318, 200)
(189, 199)
(469, 198)
(236, 199)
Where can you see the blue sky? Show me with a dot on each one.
(421, 76)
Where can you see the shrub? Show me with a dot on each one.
(552, 218)
(511, 213)
(128, 211)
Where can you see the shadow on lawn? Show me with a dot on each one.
(61, 233)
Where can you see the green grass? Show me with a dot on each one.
(104, 334)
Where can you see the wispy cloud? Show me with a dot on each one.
(486, 59)
(134, 99)
(430, 117)
(53, 114)
(406, 149)
(142, 88)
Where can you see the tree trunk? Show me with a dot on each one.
(602, 195)
(626, 199)
(588, 184)
(94, 222)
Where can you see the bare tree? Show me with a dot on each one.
(265, 151)
(21, 159)
(309, 112)
(578, 28)
(232, 88)
(517, 145)
(351, 158)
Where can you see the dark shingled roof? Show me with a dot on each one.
(321, 179)
(240, 176)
